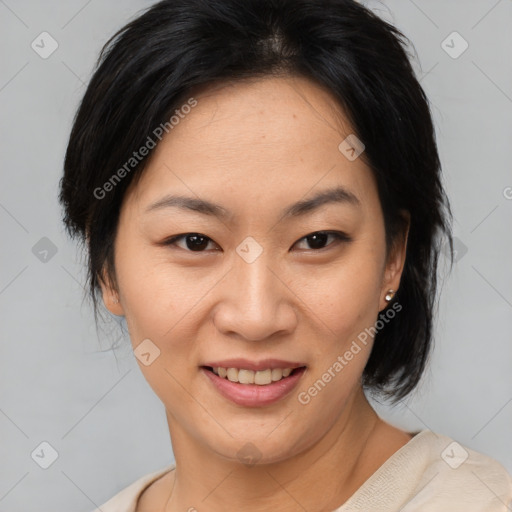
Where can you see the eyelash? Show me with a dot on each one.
(338, 235)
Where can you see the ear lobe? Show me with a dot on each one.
(110, 295)
(396, 260)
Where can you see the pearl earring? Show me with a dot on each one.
(389, 295)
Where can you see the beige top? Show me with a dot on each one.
(431, 473)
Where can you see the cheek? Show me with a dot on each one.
(344, 296)
(160, 305)
(345, 306)
(157, 295)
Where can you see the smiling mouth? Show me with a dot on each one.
(260, 377)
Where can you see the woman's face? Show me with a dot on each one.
(256, 290)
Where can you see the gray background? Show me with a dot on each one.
(61, 384)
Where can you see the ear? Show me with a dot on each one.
(395, 261)
(110, 295)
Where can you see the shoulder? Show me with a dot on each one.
(126, 499)
(454, 473)
(434, 473)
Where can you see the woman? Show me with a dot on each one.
(216, 145)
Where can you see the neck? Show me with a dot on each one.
(322, 477)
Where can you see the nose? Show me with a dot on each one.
(255, 301)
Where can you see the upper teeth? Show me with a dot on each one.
(260, 377)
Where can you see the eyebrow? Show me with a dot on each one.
(338, 195)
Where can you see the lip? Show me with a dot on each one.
(245, 364)
(254, 395)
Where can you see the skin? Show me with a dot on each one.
(256, 147)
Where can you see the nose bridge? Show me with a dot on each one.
(256, 289)
(255, 305)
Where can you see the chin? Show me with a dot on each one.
(261, 446)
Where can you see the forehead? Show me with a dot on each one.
(274, 138)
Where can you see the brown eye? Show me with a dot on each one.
(318, 240)
(194, 242)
